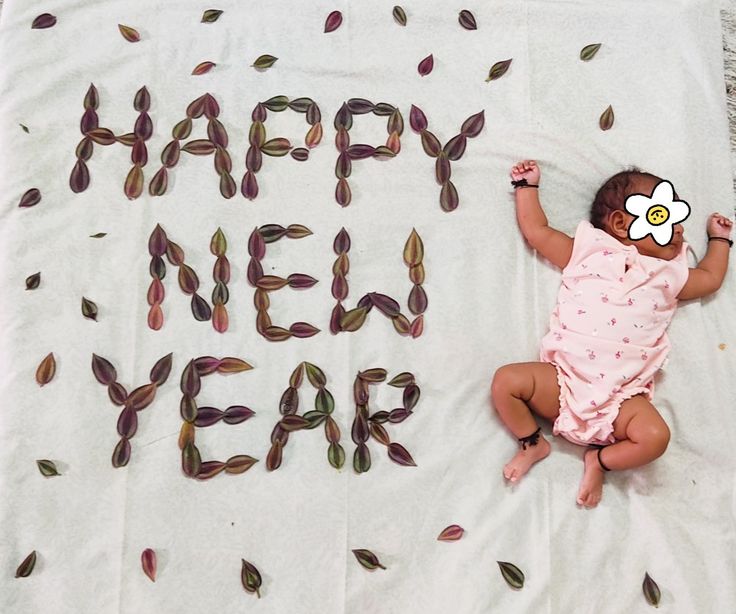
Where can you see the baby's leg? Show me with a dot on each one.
(516, 389)
(641, 436)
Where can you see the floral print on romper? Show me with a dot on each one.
(607, 334)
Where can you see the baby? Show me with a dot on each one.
(607, 334)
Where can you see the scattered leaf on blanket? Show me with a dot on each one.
(129, 34)
(89, 309)
(99, 235)
(25, 128)
(26, 567)
(148, 562)
(399, 15)
(46, 370)
(103, 370)
(367, 559)
(30, 198)
(47, 467)
(426, 65)
(467, 20)
(721, 346)
(211, 15)
(250, 578)
(451, 533)
(606, 120)
(512, 574)
(651, 590)
(45, 20)
(32, 281)
(203, 67)
(333, 21)
(587, 52)
(264, 61)
(498, 70)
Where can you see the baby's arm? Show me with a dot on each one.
(554, 245)
(708, 277)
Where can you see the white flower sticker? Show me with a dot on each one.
(656, 215)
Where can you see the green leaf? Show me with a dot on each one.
(264, 61)
(512, 574)
(498, 69)
(211, 16)
(47, 467)
(651, 590)
(588, 52)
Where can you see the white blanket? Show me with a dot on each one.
(489, 300)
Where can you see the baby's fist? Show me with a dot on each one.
(526, 169)
(719, 226)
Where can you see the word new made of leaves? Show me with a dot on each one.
(260, 144)
(195, 416)
(341, 320)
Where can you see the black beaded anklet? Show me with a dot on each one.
(599, 455)
(523, 183)
(530, 439)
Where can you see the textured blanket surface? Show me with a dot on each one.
(226, 229)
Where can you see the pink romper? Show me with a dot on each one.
(607, 336)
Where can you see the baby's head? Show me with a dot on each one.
(608, 212)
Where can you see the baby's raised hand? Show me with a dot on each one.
(719, 226)
(526, 169)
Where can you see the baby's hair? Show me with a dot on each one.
(612, 194)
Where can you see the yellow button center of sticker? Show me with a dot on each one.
(657, 215)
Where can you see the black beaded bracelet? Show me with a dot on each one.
(522, 183)
(730, 243)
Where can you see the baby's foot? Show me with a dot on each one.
(591, 486)
(524, 459)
